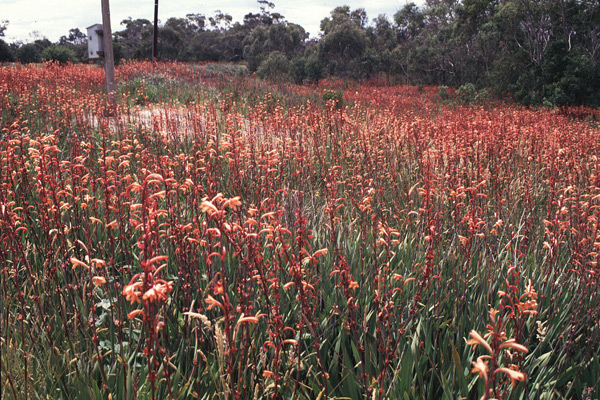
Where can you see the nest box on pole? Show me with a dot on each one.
(95, 41)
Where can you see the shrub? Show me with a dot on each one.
(443, 95)
(334, 96)
(308, 69)
(276, 67)
(466, 93)
(61, 54)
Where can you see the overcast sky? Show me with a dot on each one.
(54, 18)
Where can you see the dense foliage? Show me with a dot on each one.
(540, 52)
(219, 237)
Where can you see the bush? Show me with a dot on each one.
(482, 96)
(276, 67)
(61, 54)
(443, 95)
(334, 96)
(314, 69)
(466, 93)
(308, 69)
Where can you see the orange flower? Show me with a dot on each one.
(267, 374)
(158, 292)
(76, 262)
(208, 207)
(212, 302)
(98, 280)
(481, 367)
(134, 313)
(251, 319)
(233, 203)
(98, 262)
(512, 344)
(513, 375)
(132, 292)
(476, 339)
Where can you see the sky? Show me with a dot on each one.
(34, 19)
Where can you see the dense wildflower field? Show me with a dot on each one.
(218, 237)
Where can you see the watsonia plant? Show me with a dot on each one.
(269, 243)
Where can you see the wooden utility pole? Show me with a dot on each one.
(109, 58)
(155, 43)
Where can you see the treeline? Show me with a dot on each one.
(539, 51)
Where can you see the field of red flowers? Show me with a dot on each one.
(218, 237)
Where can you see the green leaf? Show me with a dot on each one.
(459, 371)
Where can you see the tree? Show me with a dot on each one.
(382, 34)
(172, 38)
(75, 37)
(136, 38)
(548, 51)
(344, 41)
(205, 46)
(477, 37)
(76, 42)
(536, 24)
(409, 25)
(6, 52)
(410, 22)
(220, 20)
(285, 38)
(3, 26)
(341, 15)
(382, 41)
(32, 52)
